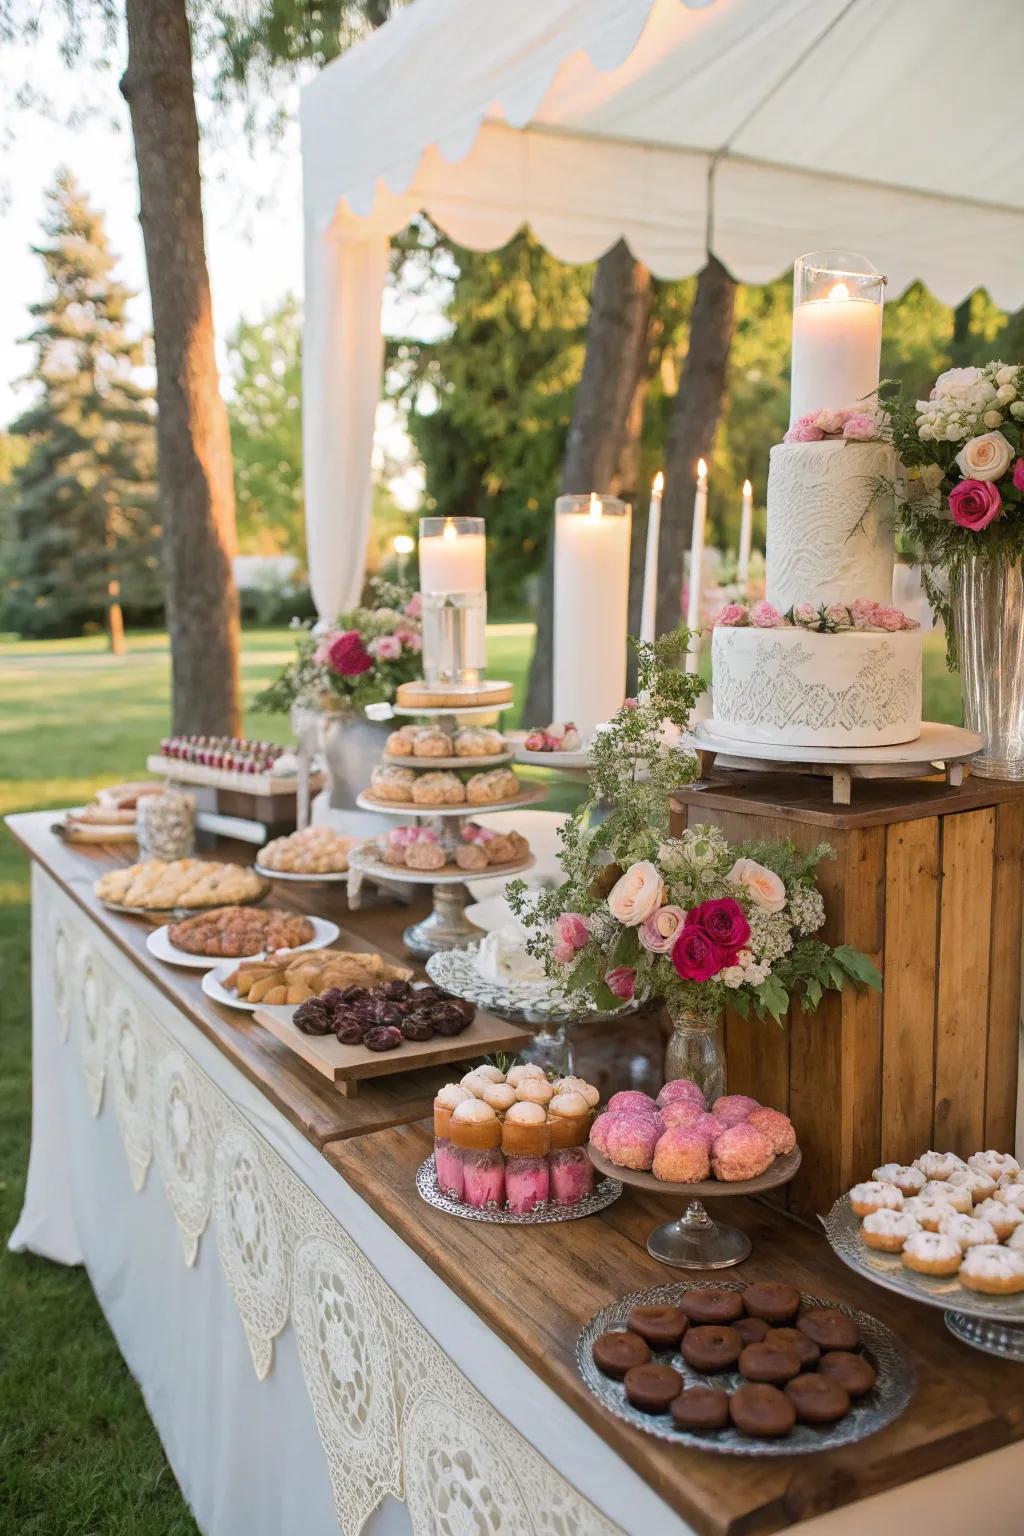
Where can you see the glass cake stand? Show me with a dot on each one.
(695, 1240)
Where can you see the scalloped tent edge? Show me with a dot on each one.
(682, 126)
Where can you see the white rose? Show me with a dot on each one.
(992, 419)
(985, 458)
(958, 381)
(1006, 375)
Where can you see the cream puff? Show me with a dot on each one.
(993, 1270)
(500, 1096)
(968, 1231)
(928, 1212)
(938, 1165)
(1002, 1218)
(995, 1164)
(955, 1195)
(535, 1090)
(519, 1074)
(909, 1181)
(930, 1253)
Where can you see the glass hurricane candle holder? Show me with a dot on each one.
(453, 587)
(837, 331)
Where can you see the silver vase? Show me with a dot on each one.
(351, 746)
(987, 608)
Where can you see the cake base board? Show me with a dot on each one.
(939, 748)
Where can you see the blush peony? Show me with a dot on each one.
(974, 504)
(732, 614)
(571, 934)
(765, 615)
(764, 887)
(638, 893)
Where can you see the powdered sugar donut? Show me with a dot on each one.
(888, 1230)
(872, 1196)
(968, 1231)
(994, 1270)
(909, 1181)
(954, 1194)
(995, 1164)
(938, 1165)
(932, 1253)
(1002, 1218)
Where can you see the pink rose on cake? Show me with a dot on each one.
(765, 615)
(974, 504)
(888, 618)
(838, 616)
(571, 934)
(732, 614)
(832, 421)
(764, 887)
(985, 458)
(659, 931)
(862, 612)
(638, 893)
(805, 430)
(861, 427)
(806, 616)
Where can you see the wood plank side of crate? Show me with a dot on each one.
(909, 971)
(1004, 998)
(961, 1024)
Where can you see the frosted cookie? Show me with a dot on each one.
(928, 1212)
(909, 1181)
(888, 1230)
(995, 1270)
(1002, 1218)
(954, 1194)
(932, 1253)
(979, 1184)
(968, 1231)
(938, 1165)
(873, 1196)
(995, 1164)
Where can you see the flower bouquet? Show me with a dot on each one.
(690, 920)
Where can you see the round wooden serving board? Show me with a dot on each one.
(780, 1172)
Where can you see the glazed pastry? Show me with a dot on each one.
(709, 1304)
(968, 1231)
(932, 1253)
(873, 1196)
(938, 1165)
(995, 1164)
(928, 1213)
(700, 1408)
(681, 1157)
(829, 1328)
(437, 789)
(400, 743)
(909, 1181)
(393, 784)
(425, 856)
(775, 1127)
(953, 1194)
(762, 1411)
(652, 1387)
(855, 1373)
(979, 1185)
(769, 1361)
(660, 1327)
(491, 787)
(615, 1353)
(993, 1270)
(1002, 1218)
(818, 1399)
(711, 1347)
(740, 1153)
(630, 1141)
(432, 742)
(774, 1300)
(889, 1230)
(680, 1088)
(475, 741)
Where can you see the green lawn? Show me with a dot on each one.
(77, 1452)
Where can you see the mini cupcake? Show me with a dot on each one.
(872, 1196)
(681, 1088)
(774, 1127)
(968, 1231)
(995, 1164)
(630, 1141)
(928, 1212)
(488, 1070)
(977, 1184)
(569, 1119)
(734, 1108)
(681, 1157)
(741, 1153)
(993, 1270)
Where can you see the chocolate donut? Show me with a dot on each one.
(807, 1352)
(651, 1388)
(761, 1411)
(660, 1327)
(753, 1329)
(853, 1372)
(828, 1328)
(701, 1408)
(773, 1300)
(616, 1353)
(711, 1347)
(818, 1399)
(712, 1306)
(769, 1361)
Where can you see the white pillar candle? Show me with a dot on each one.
(700, 514)
(453, 554)
(649, 611)
(746, 535)
(836, 349)
(591, 601)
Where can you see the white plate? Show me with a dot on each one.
(161, 948)
(333, 876)
(217, 992)
(527, 796)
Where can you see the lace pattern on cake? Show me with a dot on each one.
(775, 694)
(394, 1414)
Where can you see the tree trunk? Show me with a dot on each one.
(194, 449)
(601, 451)
(692, 428)
(115, 619)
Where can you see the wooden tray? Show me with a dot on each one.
(346, 1065)
(184, 772)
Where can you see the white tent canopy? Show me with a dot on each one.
(756, 129)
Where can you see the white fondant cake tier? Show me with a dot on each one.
(800, 688)
(831, 523)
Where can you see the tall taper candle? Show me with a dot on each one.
(649, 611)
(591, 602)
(700, 513)
(746, 535)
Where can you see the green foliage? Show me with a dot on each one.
(84, 499)
(265, 412)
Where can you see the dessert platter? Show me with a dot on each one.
(237, 933)
(946, 1232)
(318, 854)
(558, 746)
(425, 854)
(291, 977)
(756, 1370)
(426, 791)
(677, 1145)
(180, 885)
(232, 763)
(511, 1148)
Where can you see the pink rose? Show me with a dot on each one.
(410, 638)
(764, 887)
(695, 956)
(1018, 475)
(732, 614)
(888, 618)
(765, 615)
(571, 934)
(974, 504)
(658, 931)
(806, 616)
(838, 615)
(909, 623)
(414, 607)
(832, 421)
(863, 613)
(636, 894)
(348, 655)
(724, 922)
(861, 427)
(385, 648)
(621, 982)
(536, 741)
(322, 654)
(805, 430)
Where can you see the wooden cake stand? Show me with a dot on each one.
(694, 1240)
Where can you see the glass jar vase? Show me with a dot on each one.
(696, 1048)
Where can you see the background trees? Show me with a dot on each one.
(83, 498)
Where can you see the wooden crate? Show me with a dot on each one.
(926, 880)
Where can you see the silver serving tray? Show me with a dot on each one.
(428, 1189)
(885, 1402)
(523, 1002)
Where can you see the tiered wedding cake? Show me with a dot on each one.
(830, 548)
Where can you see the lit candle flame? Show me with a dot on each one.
(659, 484)
(837, 293)
(596, 508)
(702, 470)
(748, 489)
(450, 530)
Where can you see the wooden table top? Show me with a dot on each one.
(536, 1286)
(301, 1093)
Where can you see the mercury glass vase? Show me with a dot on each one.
(987, 608)
(696, 1049)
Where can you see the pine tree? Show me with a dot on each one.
(85, 507)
